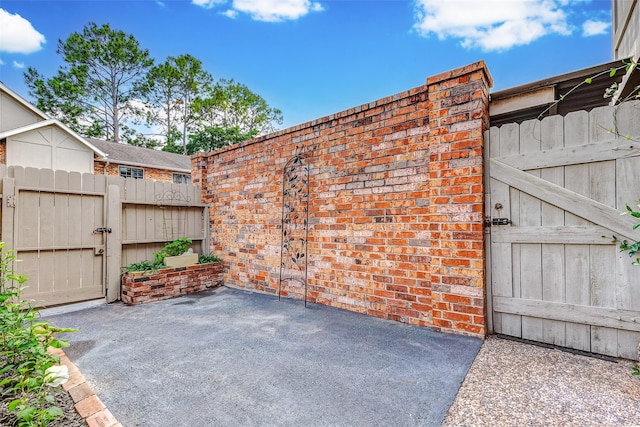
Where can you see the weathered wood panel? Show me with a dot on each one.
(566, 184)
(158, 212)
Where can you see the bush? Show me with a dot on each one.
(205, 259)
(175, 248)
(144, 266)
(27, 369)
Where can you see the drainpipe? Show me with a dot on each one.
(105, 159)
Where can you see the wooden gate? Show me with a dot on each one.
(50, 220)
(558, 186)
(74, 232)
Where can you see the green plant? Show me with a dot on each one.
(28, 370)
(204, 259)
(632, 247)
(175, 248)
(145, 265)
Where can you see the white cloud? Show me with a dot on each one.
(233, 14)
(1, 62)
(491, 24)
(276, 10)
(265, 10)
(594, 28)
(18, 64)
(18, 35)
(208, 4)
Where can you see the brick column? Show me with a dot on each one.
(459, 114)
(199, 170)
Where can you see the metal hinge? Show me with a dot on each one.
(496, 221)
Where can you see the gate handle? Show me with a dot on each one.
(102, 230)
(497, 221)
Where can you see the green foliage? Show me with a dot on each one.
(205, 259)
(93, 92)
(27, 367)
(108, 81)
(212, 138)
(233, 105)
(169, 90)
(175, 248)
(632, 247)
(144, 266)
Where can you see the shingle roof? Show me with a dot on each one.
(138, 156)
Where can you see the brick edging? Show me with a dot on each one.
(87, 404)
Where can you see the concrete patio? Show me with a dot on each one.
(231, 357)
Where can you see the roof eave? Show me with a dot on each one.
(144, 165)
(550, 81)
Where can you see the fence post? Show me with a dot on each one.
(206, 243)
(8, 209)
(114, 242)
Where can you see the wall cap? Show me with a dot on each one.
(461, 71)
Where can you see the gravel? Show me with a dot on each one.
(516, 384)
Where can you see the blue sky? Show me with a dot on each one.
(312, 58)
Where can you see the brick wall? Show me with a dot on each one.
(395, 206)
(140, 287)
(150, 174)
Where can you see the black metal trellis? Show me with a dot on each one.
(295, 223)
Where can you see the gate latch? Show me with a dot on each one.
(102, 230)
(496, 221)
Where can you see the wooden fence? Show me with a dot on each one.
(74, 232)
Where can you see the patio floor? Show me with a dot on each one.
(231, 357)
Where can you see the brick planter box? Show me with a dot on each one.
(141, 286)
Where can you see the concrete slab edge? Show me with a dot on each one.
(70, 308)
(87, 404)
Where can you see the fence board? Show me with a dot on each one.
(607, 318)
(46, 231)
(603, 260)
(553, 256)
(530, 254)
(577, 264)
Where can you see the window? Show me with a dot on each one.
(181, 178)
(135, 173)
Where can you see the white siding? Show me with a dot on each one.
(626, 28)
(49, 148)
(14, 115)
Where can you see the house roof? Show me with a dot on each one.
(46, 121)
(530, 100)
(130, 155)
(52, 122)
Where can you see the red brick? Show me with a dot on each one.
(394, 185)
